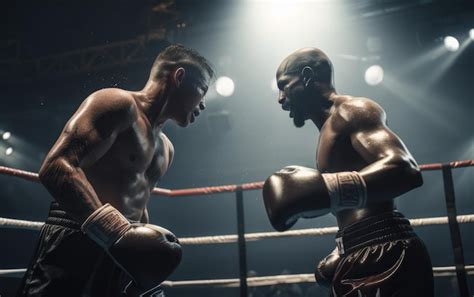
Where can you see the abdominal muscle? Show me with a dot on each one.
(128, 193)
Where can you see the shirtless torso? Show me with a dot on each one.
(361, 167)
(351, 139)
(117, 150)
(101, 172)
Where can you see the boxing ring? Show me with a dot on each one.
(460, 269)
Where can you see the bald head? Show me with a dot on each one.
(311, 57)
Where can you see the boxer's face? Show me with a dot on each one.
(292, 96)
(188, 101)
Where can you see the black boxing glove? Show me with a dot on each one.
(147, 253)
(297, 191)
(326, 268)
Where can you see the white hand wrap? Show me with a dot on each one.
(346, 189)
(105, 225)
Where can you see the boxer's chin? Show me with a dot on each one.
(182, 122)
(298, 121)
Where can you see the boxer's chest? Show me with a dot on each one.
(335, 152)
(138, 150)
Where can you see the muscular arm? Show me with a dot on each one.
(392, 170)
(87, 136)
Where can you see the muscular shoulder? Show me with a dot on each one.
(112, 100)
(359, 113)
(111, 106)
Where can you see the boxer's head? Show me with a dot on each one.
(186, 75)
(303, 78)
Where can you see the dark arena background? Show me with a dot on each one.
(415, 58)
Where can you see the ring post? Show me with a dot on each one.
(241, 240)
(454, 230)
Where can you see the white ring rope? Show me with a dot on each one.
(218, 239)
(20, 224)
(17, 273)
(256, 281)
(286, 279)
(253, 281)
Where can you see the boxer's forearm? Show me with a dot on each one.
(69, 186)
(391, 177)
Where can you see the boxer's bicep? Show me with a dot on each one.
(86, 137)
(365, 123)
(390, 170)
(377, 143)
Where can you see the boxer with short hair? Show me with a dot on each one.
(362, 166)
(101, 171)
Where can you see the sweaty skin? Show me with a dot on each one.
(353, 135)
(112, 150)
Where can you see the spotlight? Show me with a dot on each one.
(6, 135)
(374, 75)
(471, 34)
(9, 151)
(225, 86)
(451, 43)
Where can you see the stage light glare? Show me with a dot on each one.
(6, 135)
(225, 86)
(451, 43)
(471, 34)
(9, 151)
(374, 75)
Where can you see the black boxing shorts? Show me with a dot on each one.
(67, 263)
(382, 256)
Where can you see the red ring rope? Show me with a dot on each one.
(31, 176)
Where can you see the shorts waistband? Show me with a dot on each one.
(377, 229)
(59, 217)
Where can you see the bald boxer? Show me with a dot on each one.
(101, 171)
(361, 167)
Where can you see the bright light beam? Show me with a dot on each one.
(417, 97)
(421, 60)
(446, 63)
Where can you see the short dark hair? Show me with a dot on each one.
(177, 55)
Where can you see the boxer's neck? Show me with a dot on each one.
(322, 111)
(154, 101)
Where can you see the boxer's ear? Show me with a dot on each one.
(308, 75)
(178, 76)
